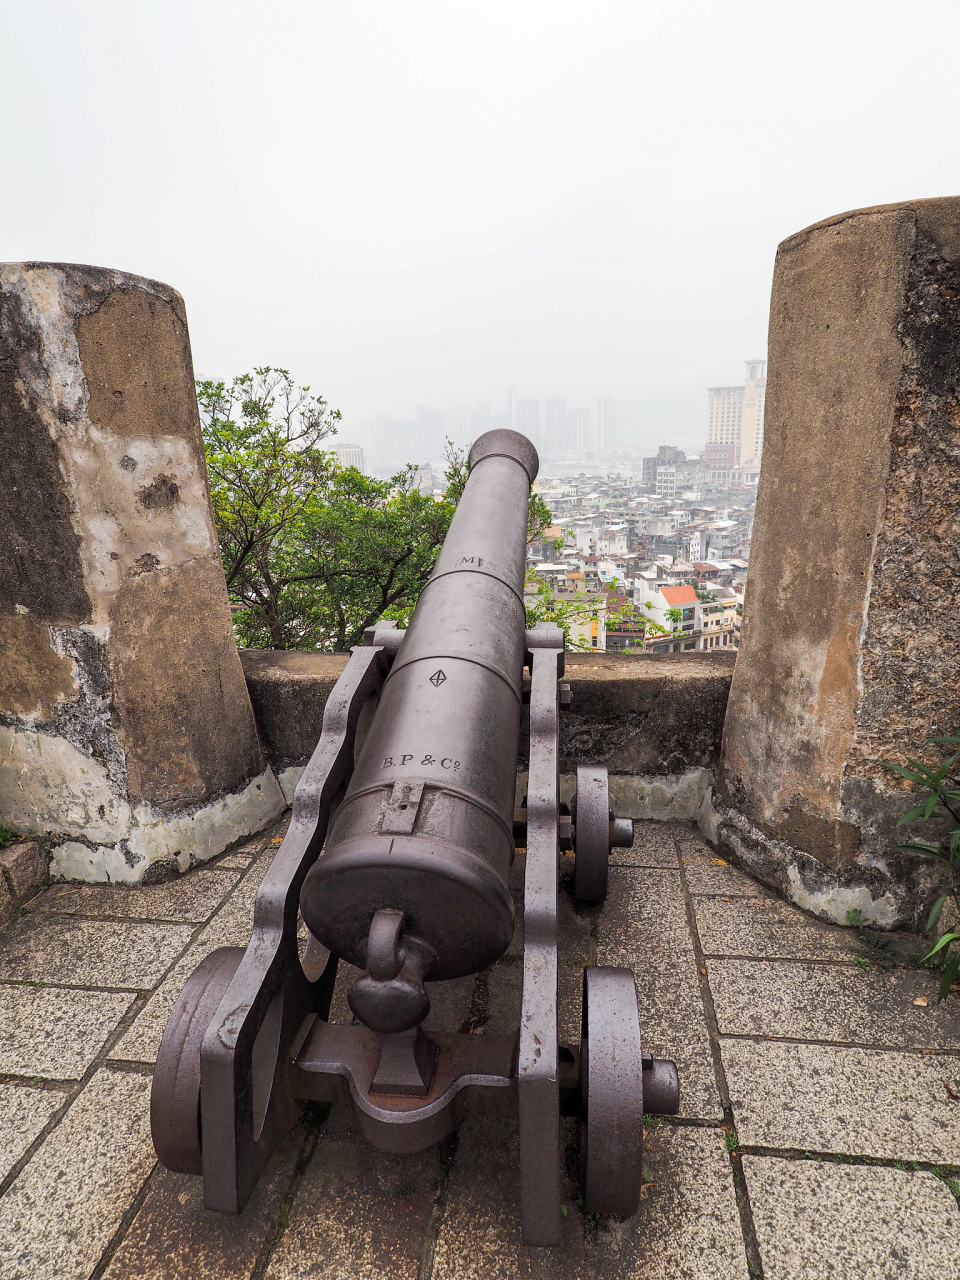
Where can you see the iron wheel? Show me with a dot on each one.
(175, 1096)
(611, 1093)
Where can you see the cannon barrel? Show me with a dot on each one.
(413, 882)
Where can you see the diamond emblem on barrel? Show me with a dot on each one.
(437, 679)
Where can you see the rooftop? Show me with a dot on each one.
(679, 595)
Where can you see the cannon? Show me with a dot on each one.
(397, 861)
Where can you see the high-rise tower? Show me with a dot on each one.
(735, 423)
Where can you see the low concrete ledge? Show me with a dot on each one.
(657, 721)
(645, 714)
(289, 691)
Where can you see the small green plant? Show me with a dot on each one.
(941, 808)
(877, 949)
(732, 1141)
(949, 1177)
(7, 836)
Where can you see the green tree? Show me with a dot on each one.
(313, 552)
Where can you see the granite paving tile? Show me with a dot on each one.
(654, 845)
(842, 1003)
(193, 897)
(173, 1237)
(235, 861)
(694, 848)
(358, 1212)
(643, 927)
(55, 1032)
(570, 996)
(450, 1003)
(89, 953)
(64, 1207)
(24, 1111)
(504, 999)
(864, 1102)
(816, 1219)
(230, 927)
(767, 928)
(479, 1232)
(575, 924)
(718, 877)
(688, 1226)
(340, 1011)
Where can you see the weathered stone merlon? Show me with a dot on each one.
(850, 653)
(126, 733)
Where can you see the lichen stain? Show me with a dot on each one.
(162, 494)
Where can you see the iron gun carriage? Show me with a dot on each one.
(397, 861)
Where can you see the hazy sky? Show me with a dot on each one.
(412, 202)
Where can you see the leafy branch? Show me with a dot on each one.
(941, 808)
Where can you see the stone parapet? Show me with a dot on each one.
(127, 739)
(850, 652)
(655, 722)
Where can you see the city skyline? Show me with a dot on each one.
(595, 427)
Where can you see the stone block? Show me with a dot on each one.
(128, 737)
(850, 652)
(766, 928)
(190, 898)
(643, 927)
(289, 691)
(90, 953)
(860, 1102)
(644, 714)
(23, 866)
(817, 1219)
(688, 1225)
(839, 1003)
(358, 1212)
(173, 1237)
(53, 1032)
(66, 1204)
(24, 1112)
(638, 714)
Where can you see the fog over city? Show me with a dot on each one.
(436, 205)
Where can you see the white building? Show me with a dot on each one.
(735, 422)
(349, 455)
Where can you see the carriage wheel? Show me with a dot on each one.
(175, 1097)
(611, 1093)
(592, 839)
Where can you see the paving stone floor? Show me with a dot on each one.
(819, 1100)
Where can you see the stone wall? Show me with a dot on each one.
(655, 722)
(127, 739)
(850, 651)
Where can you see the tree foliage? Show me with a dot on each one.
(314, 552)
(940, 808)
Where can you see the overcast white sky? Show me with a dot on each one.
(407, 201)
